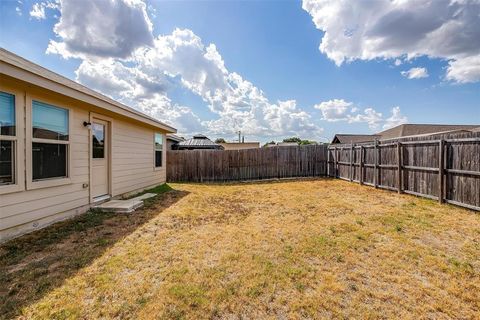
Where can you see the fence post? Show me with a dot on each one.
(375, 167)
(441, 168)
(328, 162)
(278, 172)
(399, 169)
(361, 164)
(336, 162)
(351, 162)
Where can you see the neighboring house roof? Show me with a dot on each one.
(175, 138)
(405, 130)
(286, 144)
(354, 138)
(198, 141)
(239, 145)
(17, 67)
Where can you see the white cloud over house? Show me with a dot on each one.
(395, 119)
(101, 28)
(335, 110)
(366, 30)
(341, 110)
(415, 73)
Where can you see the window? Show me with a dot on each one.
(7, 163)
(50, 141)
(7, 138)
(49, 122)
(158, 149)
(98, 137)
(49, 160)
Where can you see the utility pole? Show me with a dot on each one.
(239, 133)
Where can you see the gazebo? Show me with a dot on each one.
(198, 141)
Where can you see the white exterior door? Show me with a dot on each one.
(100, 159)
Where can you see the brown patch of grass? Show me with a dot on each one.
(37, 263)
(296, 249)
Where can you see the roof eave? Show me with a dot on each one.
(11, 65)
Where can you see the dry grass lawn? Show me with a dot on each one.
(298, 249)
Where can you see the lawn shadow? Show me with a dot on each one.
(33, 265)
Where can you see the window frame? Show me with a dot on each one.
(50, 182)
(155, 151)
(18, 141)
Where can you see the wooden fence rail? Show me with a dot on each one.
(444, 167)
(249, 164)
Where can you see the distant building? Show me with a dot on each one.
(239, 145)
(406, 130)
(402, 131)
(282, 144)
(286, 144)
(198, 142)
(354, 138)
(173, 140)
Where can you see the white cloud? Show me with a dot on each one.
(464, 70)
(369, 116)
(415, 73)
(341, 110)
(132, 87)
(38, 11)
(110, 29)
(397, 62)
(335, 110)
(18, 11)
(139, 73)
(395, 119)
(365, 30)
(238, 104)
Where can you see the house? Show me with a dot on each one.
(239, 145)
(282, 144)
(402, 131)
(354, 138)
(198, 142)
(173, 140)
(407, 130)
(65, 148)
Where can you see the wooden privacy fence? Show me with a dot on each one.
(442, 167)
(249, 164)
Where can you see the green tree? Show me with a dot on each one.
(269, 143)
(305, 142)
(299, 141)
(293, 139)
(220, 140)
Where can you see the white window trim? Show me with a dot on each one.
(164, 158)
(19, 169)
(29, 141)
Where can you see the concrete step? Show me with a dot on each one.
(120, 206)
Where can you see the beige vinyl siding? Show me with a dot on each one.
(133, 165)
(27, 206)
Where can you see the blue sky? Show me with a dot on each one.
(287, 86)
